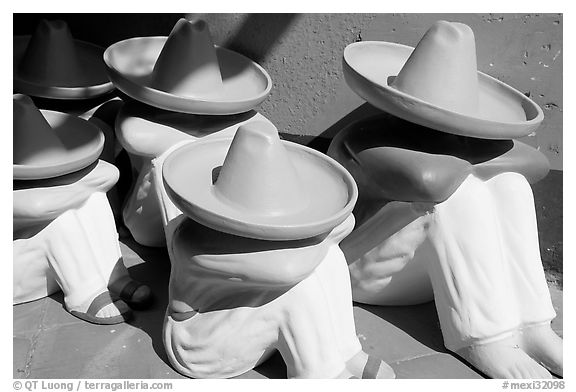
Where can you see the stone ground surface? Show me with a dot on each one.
(50, 343)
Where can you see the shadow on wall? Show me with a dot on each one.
(255, 37)
(102, 29)
(323, 140)
(259, 33)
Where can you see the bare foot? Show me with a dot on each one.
(107, 311)
(503, 359)
(102, 309)
(362, 365)
(542, 344)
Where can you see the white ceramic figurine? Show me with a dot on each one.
(185, 88)
(256, 265)
(445, 208)
(64, 236)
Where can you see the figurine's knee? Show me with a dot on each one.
(509, 179)
(471, 195)
(221, 343)
(511, 188)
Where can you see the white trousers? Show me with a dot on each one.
(65, 237)
(77, 252)
(479, 249)
(488, 278)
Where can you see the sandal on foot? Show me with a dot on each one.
(127, 295)
(101, 301)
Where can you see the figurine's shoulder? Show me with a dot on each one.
(401, 161)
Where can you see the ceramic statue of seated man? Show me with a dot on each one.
(68, 75)
(64, 236)
(183, 89)
(448, 215)
(263, 271)
(452, 218)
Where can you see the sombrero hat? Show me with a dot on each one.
(49, 144)
(52, 64)
(437, 85)
(186, 73)
(257, 186)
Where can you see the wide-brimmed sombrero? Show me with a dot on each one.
(186, 73)
(255, 185)
(49, 144)
(52, 64)
(437, 85)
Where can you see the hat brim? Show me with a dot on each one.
(188, 179)
(94, 84)
(130, 63)
(83, 140)
(503, 113)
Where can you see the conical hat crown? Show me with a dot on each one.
(257, 174)
(34, 141)
(187, 64)
(51, 55)
(442, 69)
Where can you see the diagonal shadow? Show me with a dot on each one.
(258, 34)
(154, 272)
(421, 323)
(322, 141)
(102, 29)
(418, 321)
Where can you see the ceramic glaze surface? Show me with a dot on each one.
(83, 143)
(513, 293)
(71, 69)
(188, 64)
(402, 170)
(249, 206)
(409, 252)
(34, 141)
(445, 58)
(146, 133)
(401, 161)
(370, 69)
(246, 313)
(59, 223)
(132, 67)
(49, 144)
(448, 216)
(235, 300)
